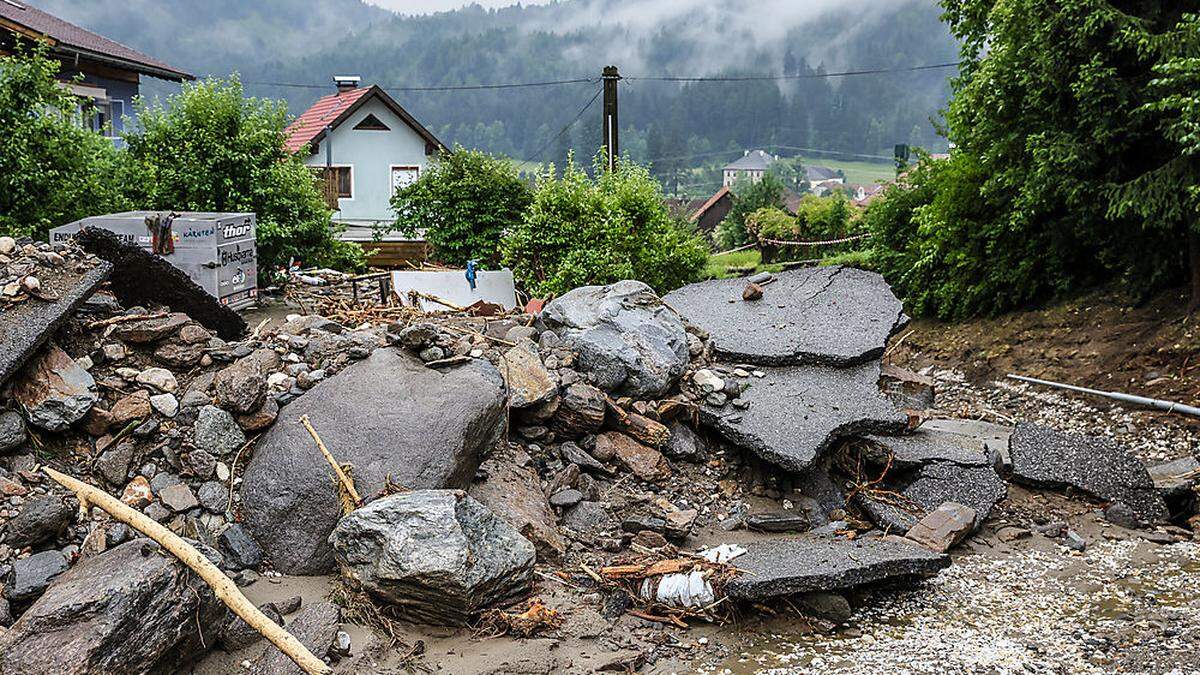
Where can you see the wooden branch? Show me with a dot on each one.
(222, 586)
(125, 318)
(337, 469)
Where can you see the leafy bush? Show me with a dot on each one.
(1061, 174)
(52, 170)
(581, 231)
(211, 149)
(464, 203)
(748, 197)
(938, 242)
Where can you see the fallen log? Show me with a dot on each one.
(222, 586)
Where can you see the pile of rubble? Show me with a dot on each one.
(614, 428)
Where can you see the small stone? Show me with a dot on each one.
(1120, 513)
(646, 463)
(217, 432)
(943, 527)
(165, 404)
(434, 353)
(1075, 542)
(241, 551)
(7, 245)
(213, 496)
(39, 520)
(708, 380)
(135, 406)
(178, 498)
(752, 292)
(158, 378)
(12, 431)
(114, 463)
(113, 351)
(31, 576)
(565, 498)
(137, 493)
(222, 471)
(262, 418)
(200, 463)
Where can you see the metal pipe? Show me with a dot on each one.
(1158, 404)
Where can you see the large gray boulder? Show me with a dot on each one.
(626, 338)
(795, 413)
(781, 567)
(439, 555)
(828, 315)
(392, 419)
(54, 390)
(131, 609)
(1095, 465)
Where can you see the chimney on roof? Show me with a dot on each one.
(346, 82)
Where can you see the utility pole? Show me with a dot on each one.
(610, 127)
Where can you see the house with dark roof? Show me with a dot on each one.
(823, 174)
(752, 166)
(103, 74)
(366, 146)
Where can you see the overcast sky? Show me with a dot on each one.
(426, 6)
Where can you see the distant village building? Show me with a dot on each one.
(712, 211)
(823, 175)
(364, 146)
(751, 166)
(103, 74)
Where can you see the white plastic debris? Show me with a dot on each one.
(689, 589)
(722, 554)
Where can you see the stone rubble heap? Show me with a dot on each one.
(483, 446)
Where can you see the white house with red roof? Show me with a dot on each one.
(366, 145)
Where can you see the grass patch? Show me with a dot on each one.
(748, 262)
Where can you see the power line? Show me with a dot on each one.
(806, 76)
(464, 87)
(567, 128)
(644, 78)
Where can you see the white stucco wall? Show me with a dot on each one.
(371, 156)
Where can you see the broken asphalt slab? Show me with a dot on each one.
(142, 278)
(779, 567)
(795, 413)
(26, 328)
(1098, 466)
(977, 487)
(835, 316)
(924, 446)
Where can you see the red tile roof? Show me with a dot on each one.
(322, 113)
(69, 38)
(332, 110)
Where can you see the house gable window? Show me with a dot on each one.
(371, 123)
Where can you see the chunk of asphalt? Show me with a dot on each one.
(977, 487)
(925, 446)
(825, 315)
(142, 278)
(780, 567)
(26, 327)
(1098, 466)
(793, 414)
